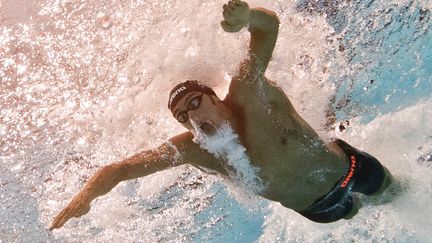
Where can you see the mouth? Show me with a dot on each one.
(208, 128)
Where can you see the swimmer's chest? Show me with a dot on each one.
(275, 136)
(290, 164)
(270, 125)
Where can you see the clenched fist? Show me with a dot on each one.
(236, 15)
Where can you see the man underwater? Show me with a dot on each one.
(288, 161)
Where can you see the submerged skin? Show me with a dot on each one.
(296, 166)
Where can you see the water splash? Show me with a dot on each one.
(383, 62)
(83, 83)
(225, 145)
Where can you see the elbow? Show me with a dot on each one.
(112, 173)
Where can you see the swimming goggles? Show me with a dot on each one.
(193, 104)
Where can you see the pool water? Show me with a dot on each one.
(84, 84)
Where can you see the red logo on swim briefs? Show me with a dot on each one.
(351, 172)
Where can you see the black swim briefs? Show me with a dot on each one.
(365, 175)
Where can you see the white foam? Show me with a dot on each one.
(225, 145)
(117, 68)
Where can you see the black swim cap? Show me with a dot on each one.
(181, 89)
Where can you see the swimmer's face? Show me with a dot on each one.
(200, 110)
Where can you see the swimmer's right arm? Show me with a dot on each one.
(109, 176)
(263, 26)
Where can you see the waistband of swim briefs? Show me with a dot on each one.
(341, 186)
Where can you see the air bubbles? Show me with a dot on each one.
(424, 157)
(17, 168)
(7, 62)
(85, 104)
(104, 21)
(21, 69)
(3, 130)
(81, 141)
(71, 104)
(191, 51)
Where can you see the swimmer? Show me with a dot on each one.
(297, 168)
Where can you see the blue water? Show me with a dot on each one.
(387, 57)
(83, 83)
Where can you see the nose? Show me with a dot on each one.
(197, 116)
(194, 122)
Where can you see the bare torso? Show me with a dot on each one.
(295, 164)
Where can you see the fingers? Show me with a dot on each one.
(227, 7)
(231, 28)
(72, 210)
(236, 15)
(226, 27)
(231, 5)
(61, 218)
(226, 13)
(237, 3)
(234, 5)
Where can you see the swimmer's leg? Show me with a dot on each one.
(388, 180)
(356, 205)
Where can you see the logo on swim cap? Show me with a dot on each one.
(181, 89)
(175, 93)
